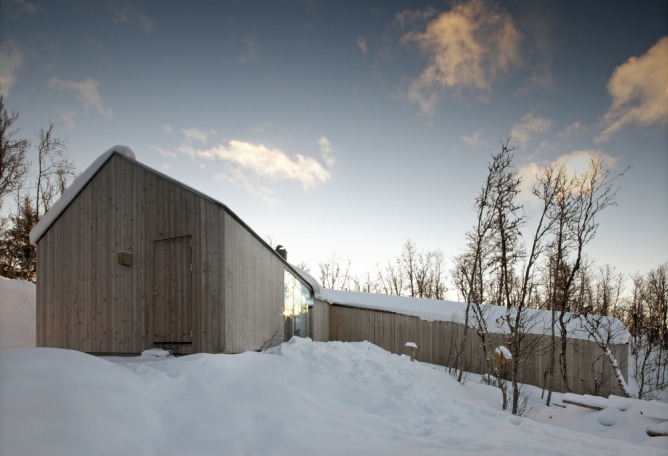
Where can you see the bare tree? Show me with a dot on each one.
(408, 262)
(496, 245)
(13, 160)
(608, 290)
(54, 170)
(604, 331)
(587, 195)
(364, 283)
(468, 272)
(514, 265)
(333, 274)
(391, 279)
(646, 317)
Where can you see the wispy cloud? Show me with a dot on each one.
(11, 59)
(576, 164)
(530, 125)
(272, 164)
(573, 129)
(195, 134)
(326, 151)
(236, 176)
(167, 128)
(249, 53)
(468, 47)
(163, 152)
(87, 91)
(67, 117)
(475, 140)
(255, 166)
(127, 13)
(639, 91)
(362, 45)
(16, 8)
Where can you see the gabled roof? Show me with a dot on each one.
(73, 190)
(82, 180)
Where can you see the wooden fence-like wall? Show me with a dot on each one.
(589, 371)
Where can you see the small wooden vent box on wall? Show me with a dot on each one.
(125, 258)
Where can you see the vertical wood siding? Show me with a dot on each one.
(321, 317)
(438, 343)
(87, 301)
(172, 290)
(253, 291)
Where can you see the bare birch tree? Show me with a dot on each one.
(334, 274)
(54, 170)
(14, 163)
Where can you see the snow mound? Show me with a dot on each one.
(157, 353)
(301, 397)
(17, 313)
(609, 416)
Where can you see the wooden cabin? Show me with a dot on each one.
(130, 259)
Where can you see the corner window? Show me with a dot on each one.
(297, 306)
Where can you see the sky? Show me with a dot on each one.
(346, 130)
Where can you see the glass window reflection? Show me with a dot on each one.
(297, 306)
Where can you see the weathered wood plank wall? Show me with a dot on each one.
(253, 291)
(439, 342)
(321, 317)
(87, 301)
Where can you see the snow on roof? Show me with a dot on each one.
(80, 182)
(453, 311)
(73, 190)
(317, 289)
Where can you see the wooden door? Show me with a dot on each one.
(172, 291)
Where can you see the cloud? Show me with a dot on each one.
(237, 177)
(194, 134)
(273, 164)
(475, 140)
(251, 166)
(326, 151)
(576, 163)
(468, 47)
(68, 118)
(87, 91)
(249, 54)
(530, 125)
(409, 18)
(573, 129)
(11, 59)
(362, 45)
(128, 14)
(163, 152)
(15, 8)
(167, 128)
(639, 91)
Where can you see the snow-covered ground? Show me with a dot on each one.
(302, 397)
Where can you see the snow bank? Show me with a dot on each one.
(618, 418)
(301, 398)
(73, 190)
(17, 313)
(63, 402)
